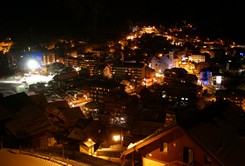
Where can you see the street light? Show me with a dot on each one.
(118, 138)
(33, 64)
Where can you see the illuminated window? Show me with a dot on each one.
(188, 155)
(164, 147)
(218, 79)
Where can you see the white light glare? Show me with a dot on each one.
(218, 80)
(32, 64)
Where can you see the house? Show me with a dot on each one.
(54, 107)
(62, 116)
(213, 136)
(86, 60)
(85, 130)
(87, 146)
(70, 116)
(117, 108)
(176, 93)
(23, 121)
(100, 88)
(135, 72)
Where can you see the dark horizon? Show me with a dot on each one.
(98, 18)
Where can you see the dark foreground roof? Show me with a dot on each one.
(220, 129)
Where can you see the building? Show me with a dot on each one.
(100, 88)
(213, 136)
(48, 58)
(236, 96)
(5, 46)
(116, 106)
(134, 72)
(87, 146)
(102, 70)
(23, 121)
(220, 81)
(87, 61)
(94, 110)
(160, 64)
(196, 58)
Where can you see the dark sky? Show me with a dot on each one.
(102, 17)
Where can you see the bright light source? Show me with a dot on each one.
(33, 64)
(116, 137)
(218, 80)
(33, 79)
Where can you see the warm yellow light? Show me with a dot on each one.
(116, 137)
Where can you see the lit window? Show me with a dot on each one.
(164, 147)
(218, 79)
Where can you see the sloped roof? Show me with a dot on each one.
(215, 113)
(218, 129)
(72, 115)
(57, 105)
(157, 134)
(176, 88)
(89, 129)
(181, 70)
(4, 113)
(28, 119)
(89, 142)
(64, 76)
(77, 134)
(16, 101)
(40, 100)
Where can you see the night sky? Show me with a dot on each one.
(108, 17)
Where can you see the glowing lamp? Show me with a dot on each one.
(32, 64)
(116, 138)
